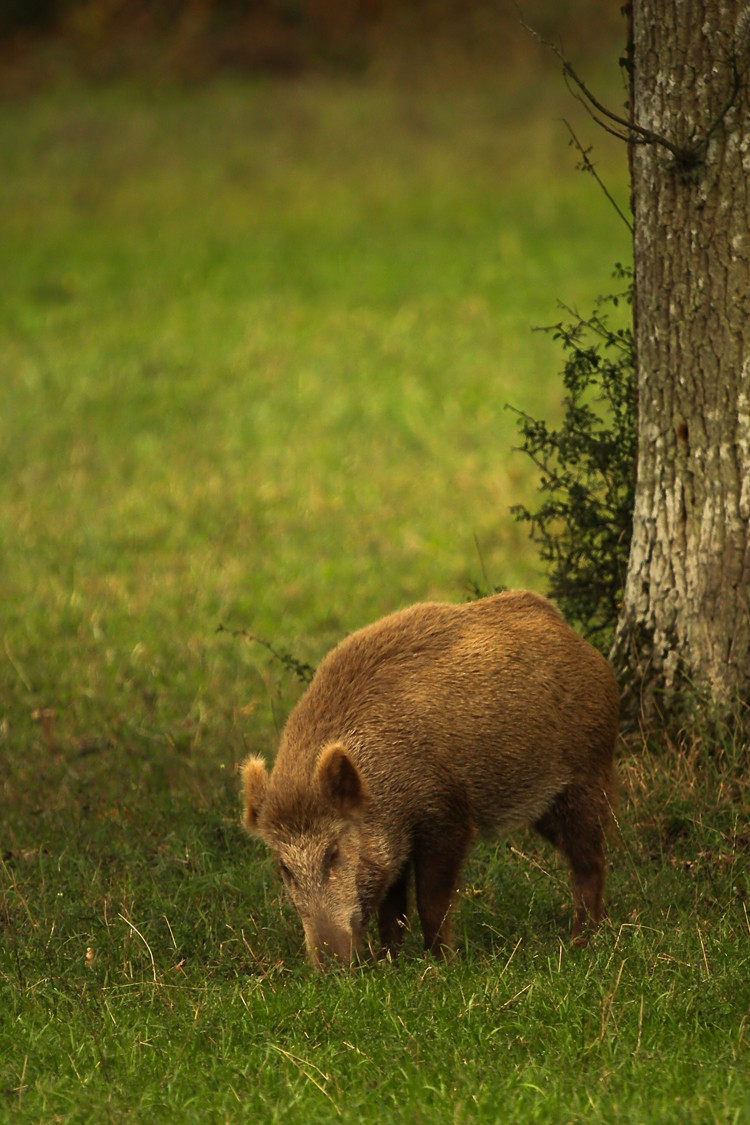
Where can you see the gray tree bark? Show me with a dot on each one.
(684, 628)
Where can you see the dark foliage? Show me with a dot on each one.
(303, 671)
(583, 524)
(104, 38)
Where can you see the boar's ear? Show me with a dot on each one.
(254, 785)
(340, 781)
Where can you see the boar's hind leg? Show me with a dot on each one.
(437, 864)
(392, 916)
(576, 824)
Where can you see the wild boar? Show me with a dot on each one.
(434, 724)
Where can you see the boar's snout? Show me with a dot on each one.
(328, 944)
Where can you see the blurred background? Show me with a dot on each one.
(193, 39)
(270, 275)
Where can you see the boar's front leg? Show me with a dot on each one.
(392, 917)
(438, 858)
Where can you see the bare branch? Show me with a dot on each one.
(686, 156)
(588, 166)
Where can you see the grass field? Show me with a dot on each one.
(256, 342)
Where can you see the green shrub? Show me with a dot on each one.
(583, 524)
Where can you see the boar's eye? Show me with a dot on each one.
(331, 860)
(286, 873)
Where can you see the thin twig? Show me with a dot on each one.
(686, 156)
(588, 166)
(591, 102)
(630, 127)
(301, 670)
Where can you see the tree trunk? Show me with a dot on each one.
(684, 628)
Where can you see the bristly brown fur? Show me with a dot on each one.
(416, 733)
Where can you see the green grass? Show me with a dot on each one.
(256, 344)
(195, 1003)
